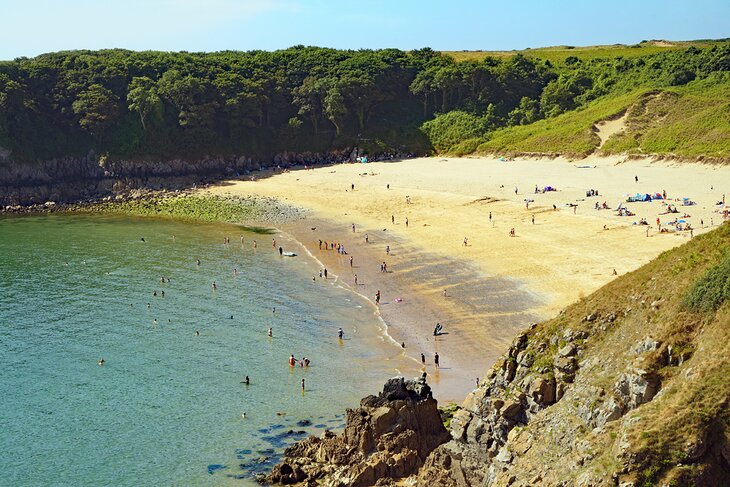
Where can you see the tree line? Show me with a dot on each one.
(258, 103)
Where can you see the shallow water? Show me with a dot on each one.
(166, 408)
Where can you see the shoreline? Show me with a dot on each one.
(496, 285)
(464, 357)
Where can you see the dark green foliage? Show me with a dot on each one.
(449, 129)
(256, 103)
(712, 289)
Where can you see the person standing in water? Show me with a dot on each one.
(302, 385)
(271, 332)
(436, 359)
(292, 361)
(340, 333)
(281, 251)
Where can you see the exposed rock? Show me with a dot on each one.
(387, 437)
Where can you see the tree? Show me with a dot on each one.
(334, 108)
(143, 98)
(97, 109)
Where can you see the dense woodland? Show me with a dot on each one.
(163, 104)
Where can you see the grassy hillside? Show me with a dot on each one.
(628, 386)
(687, 121)
(558, 54)
(570, 133)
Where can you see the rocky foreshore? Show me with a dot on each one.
(387, 438)
(93, 177)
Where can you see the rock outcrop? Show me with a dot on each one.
(387, 438)
(70, 179)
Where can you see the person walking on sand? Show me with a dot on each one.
(350, 261)
(436, 359)
(533, 219)
(281, 251)
(392, 219)
(356, 279)
(325, 273)
(352, 187)
(423, 359)
(406, 222)
(377, 297)
(367, 238)
(466, 241)
(575, 208)
(490, 216)
(353, 228)
(387, 250)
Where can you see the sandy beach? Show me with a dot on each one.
(455, 262)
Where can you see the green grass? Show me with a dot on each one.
(689, 121)
(570, 133)
(558, 54)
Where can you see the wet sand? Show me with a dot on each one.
(496, 284)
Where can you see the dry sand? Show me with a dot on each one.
(496, 284)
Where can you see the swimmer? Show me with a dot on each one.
(162, 293)
(149, 305)
(271, 333)
(101, 361)
(197, 261)
(231, 316)
(214, 286)
(292, 361)
(197, 333)
(246, 381)
(302, 385)
(154, 322)
(154, 293)
(142, 239)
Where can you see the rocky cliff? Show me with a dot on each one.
(387, 438)
(627, 387)
(70, 179)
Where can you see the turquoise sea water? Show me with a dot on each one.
(166, 408)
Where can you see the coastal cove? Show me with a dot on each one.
(167, 405)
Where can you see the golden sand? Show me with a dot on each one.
(495, 284)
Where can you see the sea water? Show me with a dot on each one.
(167, 407)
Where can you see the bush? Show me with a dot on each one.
(449, 129)
(712, 289)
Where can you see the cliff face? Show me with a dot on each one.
(630, 386)
(73, 178)
(388, 437)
